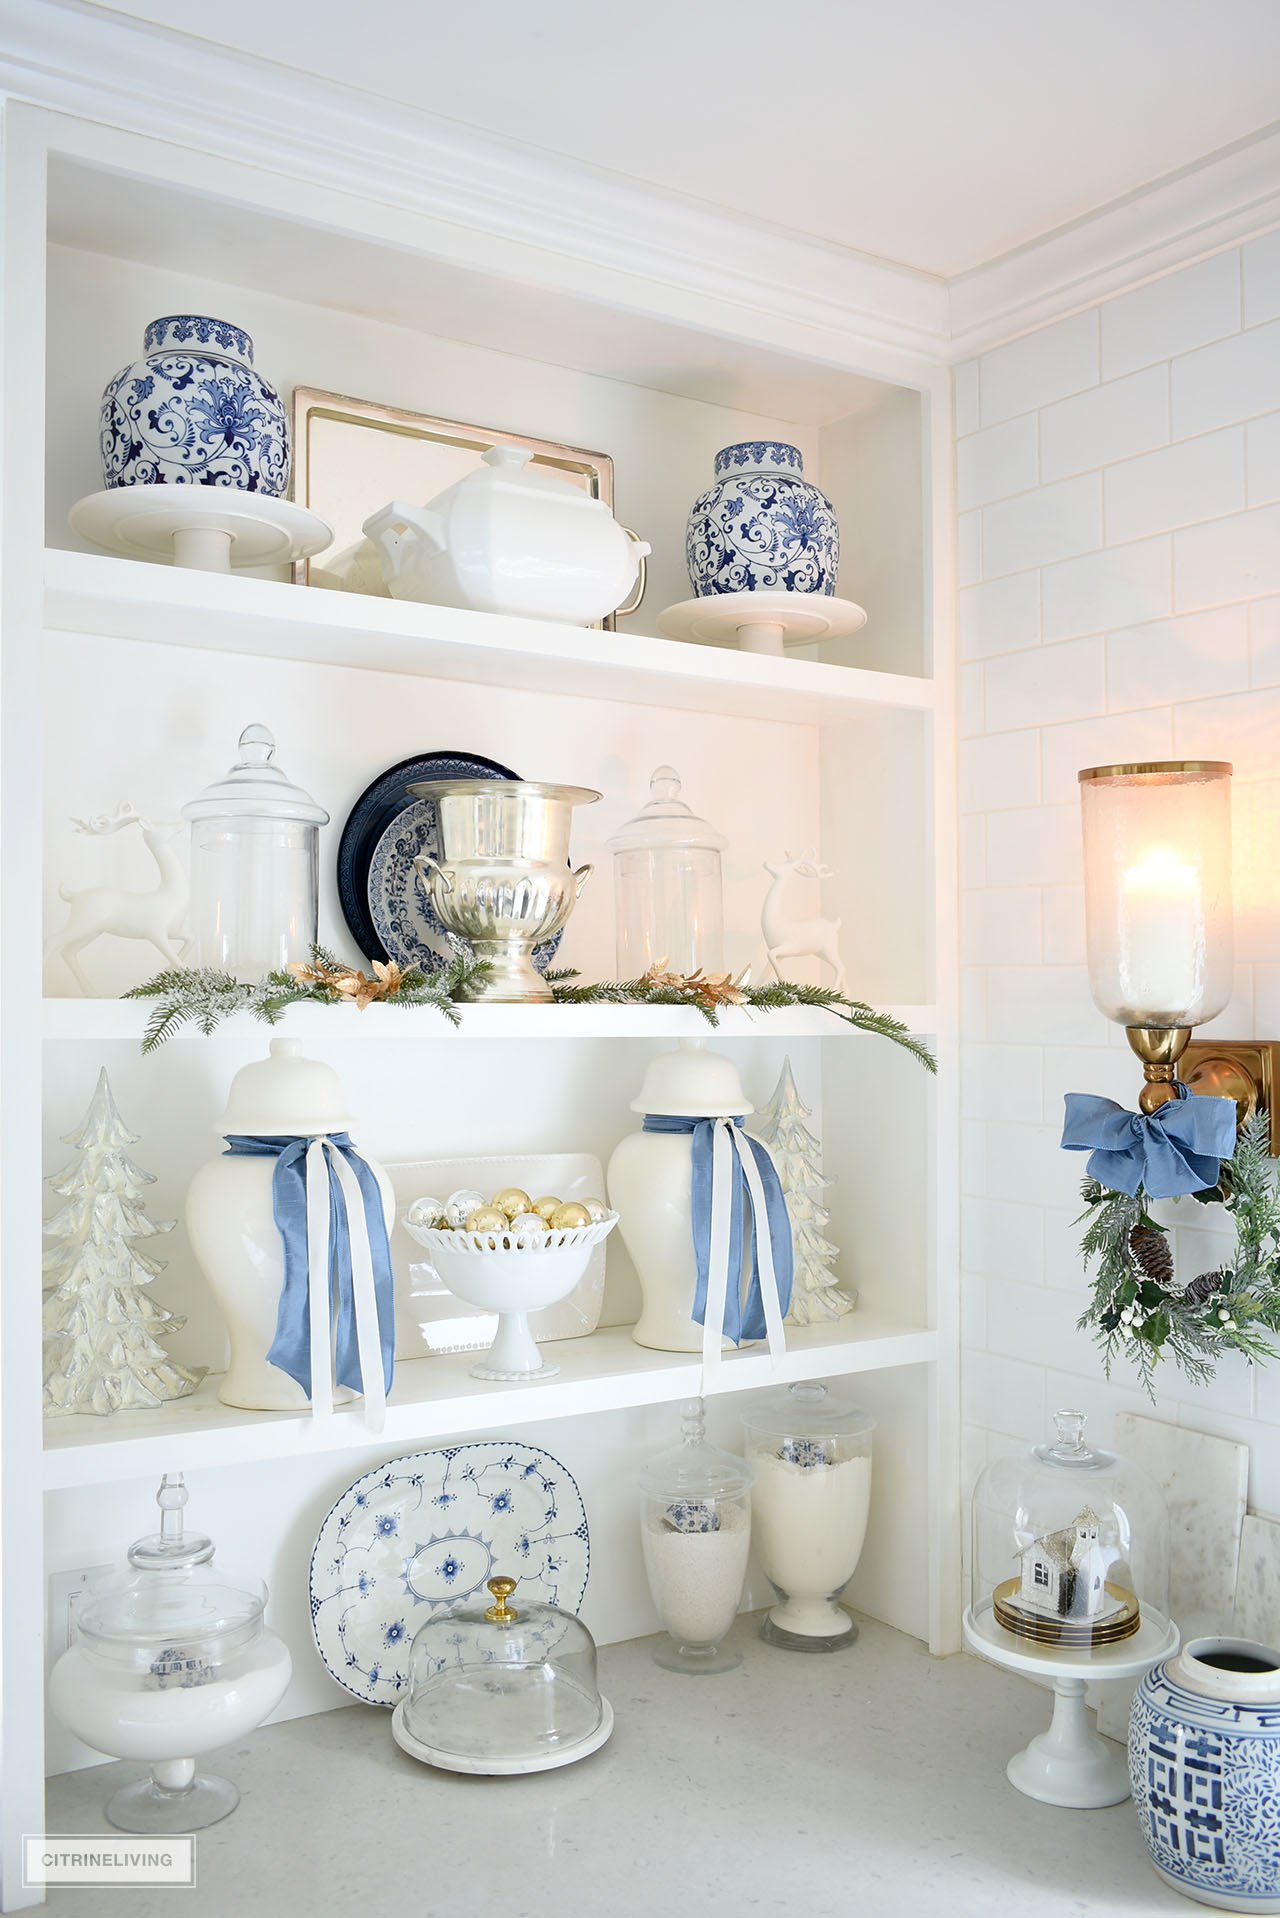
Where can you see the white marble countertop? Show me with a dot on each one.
(869, 1783)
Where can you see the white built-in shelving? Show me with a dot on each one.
(120, 679)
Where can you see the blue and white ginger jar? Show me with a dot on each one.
(193, 412)
(762, 526)
(1204, 1764)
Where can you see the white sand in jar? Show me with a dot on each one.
(697, 1577)
(810, 1521)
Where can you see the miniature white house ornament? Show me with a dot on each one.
(788, 932)
(154, 916)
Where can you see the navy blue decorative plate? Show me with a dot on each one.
(383, 900)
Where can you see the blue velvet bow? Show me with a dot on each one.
(744, 1318)
(1176, 1149)
(291, 1348)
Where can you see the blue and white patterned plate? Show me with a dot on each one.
(425, 1532)
(383, 900)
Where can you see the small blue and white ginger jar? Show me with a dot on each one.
(762, 526)
(193, 412)
(1204, 1764)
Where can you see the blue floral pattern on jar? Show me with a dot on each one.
(762, 526)
(194, 412)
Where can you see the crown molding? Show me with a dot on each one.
(1228, 197)
(81, 59)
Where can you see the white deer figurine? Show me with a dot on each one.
(785, 935)
(155, 916)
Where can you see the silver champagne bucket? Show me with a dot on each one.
(502, 881)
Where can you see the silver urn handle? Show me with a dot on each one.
(581, 875)
(424, 865)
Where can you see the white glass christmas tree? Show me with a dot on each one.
(797, 1154)
(101, 1323)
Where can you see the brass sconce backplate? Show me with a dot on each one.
(1248, 1072)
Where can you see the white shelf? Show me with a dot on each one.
(436, 1398)
(165, 605)
(102, 1019)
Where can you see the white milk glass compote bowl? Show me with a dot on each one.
(512, 1272)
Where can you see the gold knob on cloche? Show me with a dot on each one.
(501, 1613)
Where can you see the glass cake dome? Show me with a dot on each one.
(1069, 1544)
(502, 1688)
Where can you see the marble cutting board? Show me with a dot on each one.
(1258, 1585)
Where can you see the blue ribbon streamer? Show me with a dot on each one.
(1176, 1149)
(744, 1318)
(291, 1348)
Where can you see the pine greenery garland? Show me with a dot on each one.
(204, 997)
(1139, 1312)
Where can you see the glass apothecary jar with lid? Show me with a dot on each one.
(255, 840)
(502, 1688)
(695, 1529)
(667, 884)
(170, 1660)
(1069, 1544)
(810, 1450)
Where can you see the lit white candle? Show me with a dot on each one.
(1162, 949)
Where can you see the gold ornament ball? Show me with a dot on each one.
(511, 1201)
(596, 1210)
(567, 1218)
(487, 1218)
(546, 1208)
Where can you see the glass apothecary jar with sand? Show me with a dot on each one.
(696, 1533)
(810, 1452)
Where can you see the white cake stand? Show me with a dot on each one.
(763, 622)
(213, 528)
(1070, 1764)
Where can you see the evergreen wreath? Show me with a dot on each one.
(1140, 1312)
(204, 997)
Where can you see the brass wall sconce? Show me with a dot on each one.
(1157, 861)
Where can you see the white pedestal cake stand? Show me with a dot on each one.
(214, 528)
(763, 622)
(1070, 1764)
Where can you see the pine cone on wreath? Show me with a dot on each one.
(1198, 1291)
(1152, 1254)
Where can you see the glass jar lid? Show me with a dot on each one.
(809, 1409)
(171, 1612)
(695, 1470)
(255, 787)
(512, 1683)
(666, 822)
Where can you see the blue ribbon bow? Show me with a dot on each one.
(1176, 1149)
(744, 1317)
(291, 1347)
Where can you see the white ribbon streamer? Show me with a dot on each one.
(322, 1153)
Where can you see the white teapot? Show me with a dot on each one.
(507, 539)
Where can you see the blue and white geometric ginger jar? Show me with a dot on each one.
(193, 412)
(762, 526)
(1204, 1764)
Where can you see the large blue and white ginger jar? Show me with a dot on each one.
(1204, 1764)
(193, 412)
(762, 525)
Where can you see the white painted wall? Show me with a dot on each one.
(1119, 539)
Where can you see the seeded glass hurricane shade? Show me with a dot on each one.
(1157, 874)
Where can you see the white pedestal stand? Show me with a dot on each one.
(763, 622)
(213, 528)
(1069, 1764)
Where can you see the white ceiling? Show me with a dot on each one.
(936, 134)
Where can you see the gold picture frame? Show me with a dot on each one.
(350, 456)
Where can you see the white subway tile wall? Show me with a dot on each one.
(1119, 486)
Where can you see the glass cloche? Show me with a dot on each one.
(667, 885)
(171, 1659)
(502, 1688)
(1069, 1544)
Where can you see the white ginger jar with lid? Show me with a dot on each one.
(651, 1188)
(230, 1216)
